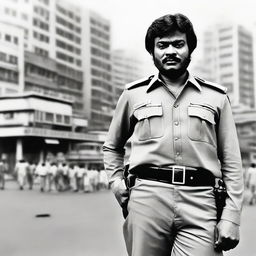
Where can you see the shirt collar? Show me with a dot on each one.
(156, 81)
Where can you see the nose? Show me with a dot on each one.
(170, 50)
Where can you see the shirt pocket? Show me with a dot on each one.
(202, 125)
(150, 121)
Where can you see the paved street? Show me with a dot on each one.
(79, 225)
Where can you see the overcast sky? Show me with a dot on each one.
(131, 18)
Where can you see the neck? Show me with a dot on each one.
(175, 82)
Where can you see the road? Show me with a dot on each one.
(79, 225)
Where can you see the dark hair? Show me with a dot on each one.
(168, 24)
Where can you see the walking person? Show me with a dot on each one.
(183, 140)
(51, 176)
(3, 170)
(42, 171)
(251, 180)
(30, 174)
(21, 170)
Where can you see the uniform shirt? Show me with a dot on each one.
(194, 129)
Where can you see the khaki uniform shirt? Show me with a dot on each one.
(194, 129)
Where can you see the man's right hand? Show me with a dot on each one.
(121, 192)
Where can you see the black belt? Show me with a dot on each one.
(177, 175)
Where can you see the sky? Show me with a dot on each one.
(131, 18)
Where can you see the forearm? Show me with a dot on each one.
(114, 163)
(231, 166)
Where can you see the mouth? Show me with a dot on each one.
(171, 61)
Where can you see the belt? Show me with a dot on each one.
(176, 175)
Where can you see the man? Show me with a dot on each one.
(3, 170)
(183, 138)
(251, 180)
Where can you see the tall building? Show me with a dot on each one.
(228, 53)
(66, 54)
(98, 89)
(126, 68)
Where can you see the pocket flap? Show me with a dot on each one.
(148, 111)
(201, 113)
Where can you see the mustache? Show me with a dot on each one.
(170, 58)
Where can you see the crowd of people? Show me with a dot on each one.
(60, 177)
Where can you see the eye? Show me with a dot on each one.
(162, 45)
(179, 44)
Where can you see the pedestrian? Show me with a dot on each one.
(52, 175)
(3, 170)
(86, 181)
(183, 140)
(80, 177)
(42, 172)
(21, 170)
(251, 181)
(30, 174)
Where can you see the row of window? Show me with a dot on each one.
(31, 69)
(101, 74)
(48, 117)
(41, 37)
(68, 35)
(99, 33)
(69, 83)
(46, 2)
(99, 24)
(100, 95)
(70, 72)
(9, 38)
(68, 47)
(106, 86)
(9, 75)
(8, 58)
(69, 14)
(68, 25)
(40, 24)
(41, 52)
(100, 43)
(98, 52)
(42, 12)
(101, 64)
(67, 58)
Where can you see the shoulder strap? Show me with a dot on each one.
(214, 86)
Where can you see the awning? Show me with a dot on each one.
(51, 141)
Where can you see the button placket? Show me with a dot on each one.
(176, 132)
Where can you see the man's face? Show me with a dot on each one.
(171, 54)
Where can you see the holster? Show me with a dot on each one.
(220, 193)
(129, 180)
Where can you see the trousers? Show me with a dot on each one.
(170, 220)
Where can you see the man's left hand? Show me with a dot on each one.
(226, 235)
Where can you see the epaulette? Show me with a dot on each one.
(215, 86)
(137, 83)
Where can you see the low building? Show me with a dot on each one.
(38, 128)
(245, 120)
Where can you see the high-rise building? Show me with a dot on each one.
(228, 53)
(126, 68)
(11, 59)
(66, 54)
(98, 89)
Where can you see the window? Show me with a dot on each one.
(49, 117)
(8, 115)
(7, 38)
(58, 118)
(67, 119)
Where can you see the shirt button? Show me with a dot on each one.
(178, 153)
(176, 105)
(176, 138)
(176, 123)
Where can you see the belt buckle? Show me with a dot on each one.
(178, 174)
